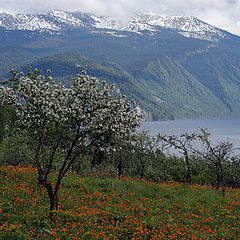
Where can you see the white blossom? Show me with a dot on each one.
(87, 104)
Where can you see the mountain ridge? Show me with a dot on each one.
(58, 20)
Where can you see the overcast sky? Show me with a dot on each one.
(224, 14)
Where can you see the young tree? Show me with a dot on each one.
(217, 157)
(67, 120)
(232, 172)
(183, 144)
(144, 147)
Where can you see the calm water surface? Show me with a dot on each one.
(221, 129)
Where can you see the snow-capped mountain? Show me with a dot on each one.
(187, 26)
(57, 21)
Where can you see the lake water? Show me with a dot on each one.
(220, 129)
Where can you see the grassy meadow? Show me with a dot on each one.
(101, 207)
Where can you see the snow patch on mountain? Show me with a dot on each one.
(65, 18)
(30, 22)
(34, 23)
(138, 24)
(106, 22)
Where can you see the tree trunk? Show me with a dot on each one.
(54, 202)
(120, 164)
(218, 180)
(189, 179)
(53, 196)
(142, 168)
(223, 191)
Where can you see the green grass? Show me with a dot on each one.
(100, 207)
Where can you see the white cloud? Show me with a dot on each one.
(220, 13)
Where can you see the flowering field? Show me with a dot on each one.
(99, 207)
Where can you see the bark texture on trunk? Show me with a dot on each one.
(52, 194)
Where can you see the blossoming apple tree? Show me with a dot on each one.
(67, 120)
